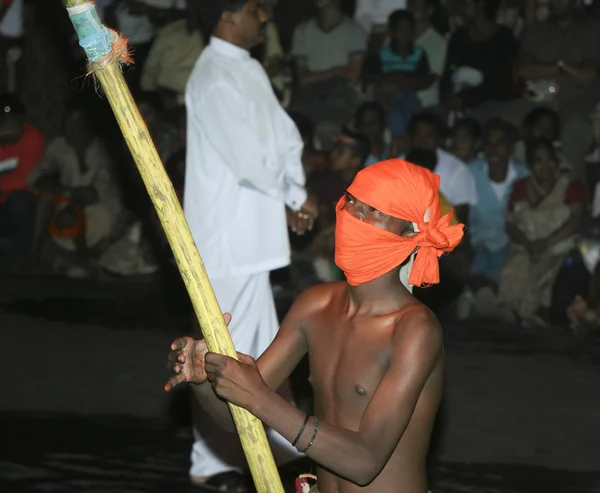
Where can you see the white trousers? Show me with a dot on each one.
(253, 327)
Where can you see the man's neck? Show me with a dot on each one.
(402, 50)
(421, 27)
(380, 296)
(224, 36)
(498, 173)
(377, 145)
(329, 17)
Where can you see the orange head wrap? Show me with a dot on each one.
(405, 191)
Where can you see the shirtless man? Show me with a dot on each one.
(376, 354)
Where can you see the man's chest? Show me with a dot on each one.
(346, 366)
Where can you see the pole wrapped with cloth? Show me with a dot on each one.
(107, 51)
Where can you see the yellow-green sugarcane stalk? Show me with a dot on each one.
(106, 51)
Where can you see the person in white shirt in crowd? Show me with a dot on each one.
(329, 52)
(11, 43)
(243, 168)
(457, 183)
(434, 44)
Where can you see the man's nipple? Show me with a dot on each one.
(360, 390)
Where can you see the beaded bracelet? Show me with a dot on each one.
(312, 440)
(306, 418)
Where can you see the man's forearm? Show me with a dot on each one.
(216, 408)
(536, 71)
(344, 452)
(308, 78)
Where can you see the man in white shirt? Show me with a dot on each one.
(243, 169)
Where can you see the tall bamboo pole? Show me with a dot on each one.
(105, 53)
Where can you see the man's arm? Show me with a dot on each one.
(229, 130)
(277, 362)
(360, 455)
(569, 228)
(529, 68)
(306, 77)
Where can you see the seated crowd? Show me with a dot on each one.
(493, 96)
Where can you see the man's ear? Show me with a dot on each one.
(227, 17)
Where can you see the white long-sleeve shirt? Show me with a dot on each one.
(243, 164)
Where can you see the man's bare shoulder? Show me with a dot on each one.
(418, 329)
(315, 300)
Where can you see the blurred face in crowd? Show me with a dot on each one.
(497, 148)
(371, 125)
(326, 4)
(543, 127)
(470, 10)
(248, 25)
(11, 128)
(421, 9)
(403, 34)
(343, 158)
(425, 136)
(544, 166)
(464, 145)
(562, 8)
(78, 131)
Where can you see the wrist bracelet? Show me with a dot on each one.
(312, 440)
(306, 418)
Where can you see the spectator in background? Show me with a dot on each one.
(399, 71)
(479, 76)
(541, 122)
(371, 121)
(495, 173)
(510, 15)
(76, 171)
(328, 53)
(564, 52)
(312, 159)
(273, 59)
(11, 44)
(434, 44)
(545, 214)
(373, 15)
(21, 148)
(173, 56)
(428, 159)
(348, 157)
(457, 183)
(465, 140)
(132, 19)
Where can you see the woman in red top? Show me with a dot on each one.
(545, 214)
